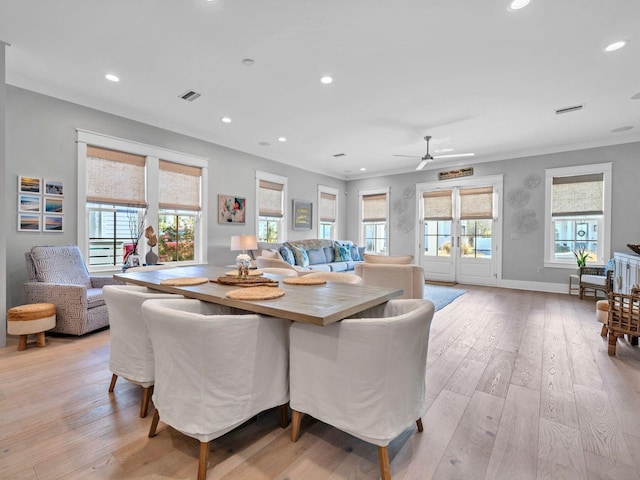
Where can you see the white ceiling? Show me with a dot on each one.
(475, 76)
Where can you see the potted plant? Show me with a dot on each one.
(581, 257)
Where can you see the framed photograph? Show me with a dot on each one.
(53, 187)
(29, 185)
(231, 209)
(28, 222)
(134, 260)
(53, 205)
(302, 215)
(52, 223)
(29, 203)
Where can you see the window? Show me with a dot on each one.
(374, 208)
(476, 220)
(438, 217)
(124, 187)
(271, 192)
(328, 212)
(578, 214)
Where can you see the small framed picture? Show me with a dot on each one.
(52, 223)
(29, 203)
(28, 222)
(231, 209)
(29, 185)
(134, 260)
(302, 214)
(53, 187)
(53, 205)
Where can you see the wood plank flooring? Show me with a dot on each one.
(519, 386)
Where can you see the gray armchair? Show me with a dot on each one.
(58, 275)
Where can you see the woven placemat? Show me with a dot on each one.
(184, 281)
(234, 273)
(304, 280)
(255, 293)
(245, 282)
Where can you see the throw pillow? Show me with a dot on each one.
(343, 253)
(271, 254)
(301, 256)
(355, 253)
(287, 255)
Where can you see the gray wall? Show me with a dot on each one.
(41, 136)
(3, 204)
(521, 258)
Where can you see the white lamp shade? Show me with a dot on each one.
(243, 242)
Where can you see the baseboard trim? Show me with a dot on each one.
(534, 286)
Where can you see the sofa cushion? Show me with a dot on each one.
(300, 254)
(287, 255)
(62, 265)
(323, 267)
(330, 254)
(343, 253)
(316, 256)
(339, 266)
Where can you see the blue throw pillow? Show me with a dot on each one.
(287, 255)
(611, 265)
(301, 256)
(343, 253)
(355, 253)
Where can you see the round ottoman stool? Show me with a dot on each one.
(28, 319)
(602, 315)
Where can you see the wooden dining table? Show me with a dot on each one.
(316, 304)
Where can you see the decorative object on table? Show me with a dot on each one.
(243, 260)
(252, 273)
(306, 280)
(184, 281)
(302, 215)
(246, 282)
(231, 209)
(133, 260)
(255, 293)
(634, 248)
(136, 230)
(152, 240)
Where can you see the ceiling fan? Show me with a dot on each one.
(428, 158)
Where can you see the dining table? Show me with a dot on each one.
(321, 304)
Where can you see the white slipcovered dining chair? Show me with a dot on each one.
(131, 354)
(364, 376)
(340, 277)
(217, 369)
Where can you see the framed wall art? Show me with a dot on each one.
(52, 223)
(231, 209)
(53, 187)
(29, 185)
(302, 215)
(29, 203)
(28, 222)
(53, 205)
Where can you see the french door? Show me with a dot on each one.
(460, 229)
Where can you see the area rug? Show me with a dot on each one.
(441, 296)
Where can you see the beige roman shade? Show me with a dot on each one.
(270, 199)
(327, 207)
(437, 205)
(115, 177)
(577, 195)
(179, 186)
(374, 208)
(476, 203)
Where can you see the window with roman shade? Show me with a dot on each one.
(271, 192)
(270, 199)
(115, 178)
(476, 203)
(327, 215)
(374, 208)
(179, 186)
(437, 205)
(437, 210)
(577, 195)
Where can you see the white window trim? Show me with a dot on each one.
(373, 191)
(272, 177)
(332, 191)
(153, 154)
(605, 239)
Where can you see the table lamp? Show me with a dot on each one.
(244, 243)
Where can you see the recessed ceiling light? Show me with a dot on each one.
(111, 77)
(225, 120)
(615, 46)
(622, 129)
(282, 139)
(517, 5)
(326, 80)
(363, 169)
(456, 155)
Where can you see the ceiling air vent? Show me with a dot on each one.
(340, 155)
(189, 95)
(575, 108)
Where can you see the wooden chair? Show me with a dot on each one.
(596, 279)
(624, 318)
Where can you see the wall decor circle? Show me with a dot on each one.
(518, 197)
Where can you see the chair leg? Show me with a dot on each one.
(112, 385)
(296, 419)
(581, 294)
(383, 459)
(154, 423)
(40, 339)
(419, 424)
(604, 331)
(283, 412)
(146, 397)
(633, 340)
(22, 343)
(202, 462)
(612, 343)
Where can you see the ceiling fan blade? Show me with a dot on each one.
(456, 155)
(422, 164)
(409, 156)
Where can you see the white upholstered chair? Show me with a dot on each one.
(217, 369)
(131, 354)
(408, 277)
(337, 277)
(364, 376)
(284, 272)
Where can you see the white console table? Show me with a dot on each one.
(626, 273)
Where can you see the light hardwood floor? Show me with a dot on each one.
(519, 386)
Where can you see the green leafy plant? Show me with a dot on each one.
(581, 256)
